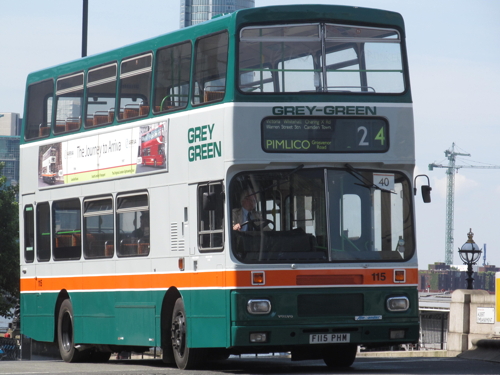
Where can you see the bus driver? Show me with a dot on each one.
(247, 218)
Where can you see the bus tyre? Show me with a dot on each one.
(186, 358)
(65, 336)
(340, 355)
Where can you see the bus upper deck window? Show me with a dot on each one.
(320, 58)
(135, 86)
(39, 109)
(210, 69)
(69, 98)
(172, 74)
(101, 93)
(362, 59)
(280, 58)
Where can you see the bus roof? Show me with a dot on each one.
(233, 21)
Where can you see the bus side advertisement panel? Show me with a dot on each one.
(109, 155)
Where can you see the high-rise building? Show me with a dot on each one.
(10, 126)
(197, 11)
(9, 155)
(10, 123)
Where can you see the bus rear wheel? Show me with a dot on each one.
(185, 358)
(65, 337)
(340, 355)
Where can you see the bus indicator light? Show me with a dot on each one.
(399, 276)
(258, 278)
(181, 264)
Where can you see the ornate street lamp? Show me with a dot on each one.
(470, 254)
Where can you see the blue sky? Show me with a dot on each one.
(454, 57)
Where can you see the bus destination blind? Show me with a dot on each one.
(324, 134)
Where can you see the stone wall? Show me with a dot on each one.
(465, 326)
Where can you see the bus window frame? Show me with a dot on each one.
(211, 216)
(88, 239)
(29, 233)
(194, 72)
(90, 122)
(69, 122)
(155, 79)
(39, 235)
(133, 73)
(144, 250)
(72, 234)
(46, 122)
(324, 40)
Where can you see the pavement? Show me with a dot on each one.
(404, 353)
(485, 350)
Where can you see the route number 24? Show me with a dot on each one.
(364, 133)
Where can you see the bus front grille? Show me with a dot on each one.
(309, 305)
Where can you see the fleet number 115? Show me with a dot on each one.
(379, 276)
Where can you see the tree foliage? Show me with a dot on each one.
(9, 246)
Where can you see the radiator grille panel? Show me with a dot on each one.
(330, 304)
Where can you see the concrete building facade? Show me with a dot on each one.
(10, 129)
(10, 123)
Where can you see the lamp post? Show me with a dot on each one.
(470, 254)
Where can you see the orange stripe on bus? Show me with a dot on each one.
(218, 279)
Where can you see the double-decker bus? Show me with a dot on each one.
(49, 166)
(153, 147)
(282, 219)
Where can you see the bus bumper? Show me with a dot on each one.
(286, 338)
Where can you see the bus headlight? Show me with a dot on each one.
(259, 306)
(398, 304)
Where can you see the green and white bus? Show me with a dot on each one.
(303, 111)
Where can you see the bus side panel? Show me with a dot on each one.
(208, 318)
(38, 326)
(140, 316)
(97, 311)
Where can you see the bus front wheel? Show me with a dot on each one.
(65, 337)
(340, 355)
(185, 357)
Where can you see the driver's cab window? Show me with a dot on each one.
(211, 216)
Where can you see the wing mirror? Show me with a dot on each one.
(426, 189)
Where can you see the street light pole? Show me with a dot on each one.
(470, 254)
(84, 27)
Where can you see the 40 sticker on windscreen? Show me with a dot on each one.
(324, 134)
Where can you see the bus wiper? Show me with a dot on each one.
(364, 181)
(279, 183)
(295, 170)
